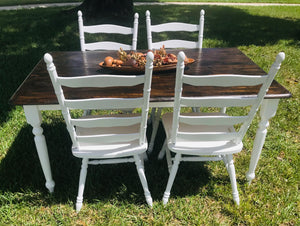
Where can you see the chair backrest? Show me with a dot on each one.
(212, 120)
(175, 27)
(108, 29)
(101, 81)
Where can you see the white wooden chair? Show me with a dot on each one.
(106, 139)
(107, 45)
(175, 27)
(171, 43)
(211, 136)
(108, 29)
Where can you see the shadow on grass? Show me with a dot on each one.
(231, 25)
(26, 35)
(20, 171)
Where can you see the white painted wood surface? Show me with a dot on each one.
(34, 118)
(107, 29)
(33, 112)
(171, 43)
(174, 27)
(105, 139)
(214, 134)
(267, 111)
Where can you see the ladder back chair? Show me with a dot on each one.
(175, 27)
(107, 45)
(108, 139)
(171, 43)
(211, 136)
(107, 29)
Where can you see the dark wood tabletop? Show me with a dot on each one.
(37, 88)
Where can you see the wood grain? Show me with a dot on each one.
(37, 88)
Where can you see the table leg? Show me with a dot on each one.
(34, 118)
(267, 111)
(155, 124)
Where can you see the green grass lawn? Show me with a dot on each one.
(226, 1)
(235, 1)
(24, 2)
(201, 193)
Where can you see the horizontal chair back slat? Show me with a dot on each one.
(175, 44)
(104, 103)
(106, 46)
(216, 136)
(224, 120)
(224, 80)
(108, 121)
(221, 101)
(108, 28)
(175, 26)
(108, 138)
(101, 81)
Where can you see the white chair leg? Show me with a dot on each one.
(155, 124)
(231, 172)
(82, 178)
(171, 179)
(141, 173)
(162, 152)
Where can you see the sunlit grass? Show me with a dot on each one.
(234, 1)
(25, 2)
(201, 194)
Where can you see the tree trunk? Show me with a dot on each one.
(107, 8)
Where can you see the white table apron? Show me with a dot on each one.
(33, 116)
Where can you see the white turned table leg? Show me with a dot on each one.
(34, 118)
(267, 111)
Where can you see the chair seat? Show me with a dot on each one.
(110, 150)
(190, 147)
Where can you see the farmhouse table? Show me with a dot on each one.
(36, 93)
